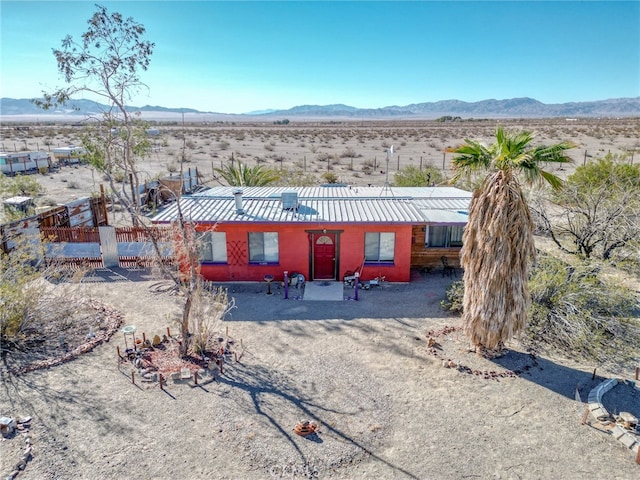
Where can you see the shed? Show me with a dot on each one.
(19, 204)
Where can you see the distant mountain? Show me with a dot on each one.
(509, 108)
(260, 112)
(514, 107)
(24, 106)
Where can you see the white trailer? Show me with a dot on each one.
(68, 155)
(12, 163)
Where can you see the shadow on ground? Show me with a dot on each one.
(563, 380)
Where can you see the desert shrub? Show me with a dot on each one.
(23, 185)
(296, 177)
(223, 145)
(414, 177)
(208, 309)
(330, 177)
(118, 176)
(348, 153)
(577, 312)
(21, 293)
(454, 295)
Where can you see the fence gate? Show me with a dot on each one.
(109, 247)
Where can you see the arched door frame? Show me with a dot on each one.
(313, 235)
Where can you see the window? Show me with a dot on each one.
(263, 247)
(444, 236)
(379, 247)
(455, 239)
(212, 247)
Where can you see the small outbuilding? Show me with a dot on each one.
(19, 204)
(249, 233)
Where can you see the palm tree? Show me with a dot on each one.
(498, 244)
(244, 176)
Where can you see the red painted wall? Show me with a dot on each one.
(294, 251)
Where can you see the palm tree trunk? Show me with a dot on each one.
(497, 250)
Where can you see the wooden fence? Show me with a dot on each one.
(78, 247)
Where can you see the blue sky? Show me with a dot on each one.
(236, 57)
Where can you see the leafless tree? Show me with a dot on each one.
(591, 220)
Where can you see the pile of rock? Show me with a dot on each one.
(9, 427)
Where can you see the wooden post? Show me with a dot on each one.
(195, 377)
(160, 381)
(134, 194)
(638, 457)
(593, 377)
(304, 163)
(585, 158)
(144, 338)
(120, 356)
(420, 162)
(585, 416)
(168, 332)
(637, 372)
(398, 167)
(133, 378)
(444, 155)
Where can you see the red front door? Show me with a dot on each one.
(324, 257)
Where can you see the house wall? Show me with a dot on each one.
(423, 257)
(294, 251)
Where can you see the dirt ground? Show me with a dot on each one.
(362, 370)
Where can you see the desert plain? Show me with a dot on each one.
(385, 403)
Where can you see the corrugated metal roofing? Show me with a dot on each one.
(445, 217)
(319, 204)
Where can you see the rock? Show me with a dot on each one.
(7, 426)
(156, 340)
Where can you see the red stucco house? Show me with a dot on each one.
(322, 232)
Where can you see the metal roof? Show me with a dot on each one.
(321, 204)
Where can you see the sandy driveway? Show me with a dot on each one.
(362, 370)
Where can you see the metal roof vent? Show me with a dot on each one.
(289, 200)
(238, 195)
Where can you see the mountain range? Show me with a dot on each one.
(508, 108)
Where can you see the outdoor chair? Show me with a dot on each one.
(446, 268)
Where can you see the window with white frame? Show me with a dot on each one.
(444, 236)
(263, 247)
(212, 247)
(379, 246)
